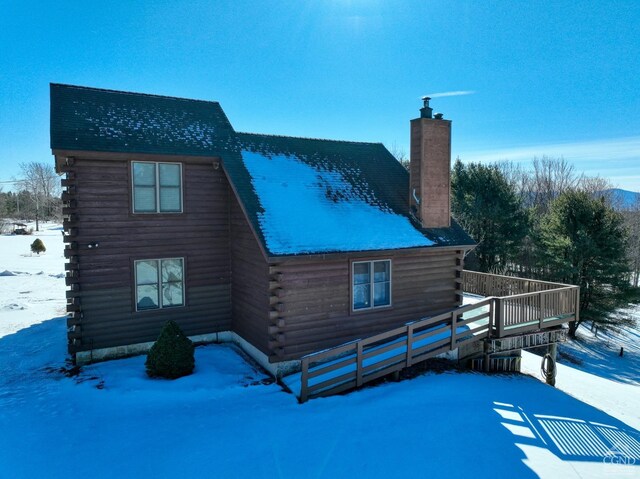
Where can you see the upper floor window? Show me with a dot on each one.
(371, 282)
(159, 283)
(157, 187)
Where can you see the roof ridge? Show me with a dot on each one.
(124, 92)
(310, 138)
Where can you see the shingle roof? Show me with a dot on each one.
(320, 183)
(93, 119)
(301, 195)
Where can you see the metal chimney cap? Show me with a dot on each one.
(425, 111)
(438, 116)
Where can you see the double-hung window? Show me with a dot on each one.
(157, 187)
(159, 283)
(371, 283)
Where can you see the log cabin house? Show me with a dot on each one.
(283, 245)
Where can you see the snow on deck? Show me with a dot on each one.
(311, 209)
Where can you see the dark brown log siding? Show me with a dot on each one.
(200, 235)
(250, 282)
(286, 309)
(315, 298)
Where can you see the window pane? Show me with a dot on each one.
(381, 296)
(144, 199)
(144, 174)
(361, 273)
(148, 296)
(172, 294)
(381, 271)
(171, 270)
(169, 174)
(361, 296)
(147, 272)
(170, 198)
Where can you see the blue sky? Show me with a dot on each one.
(545, 78)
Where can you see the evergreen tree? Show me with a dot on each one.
(583, 242)
(38, 246)
(488, 208)
(172, 355)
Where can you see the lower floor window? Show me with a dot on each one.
(371, 284)
(159, 283)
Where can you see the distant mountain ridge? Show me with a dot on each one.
(623, 199)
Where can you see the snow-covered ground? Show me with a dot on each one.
(32, 286)
(229, 420)
(601, 355)
(592, 370)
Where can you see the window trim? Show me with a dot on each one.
(371, 283)
(157, 189)
(160, 307)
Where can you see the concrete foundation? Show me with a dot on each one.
(118, 352)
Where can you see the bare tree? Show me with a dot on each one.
(549, 179)
(400, 154)
(41, 182)
(517, 177)
(599, 187)
(632, 222)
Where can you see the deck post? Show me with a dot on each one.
(492, 317)
(541, 305)
(487, 357)
(454, 321)
(409, 345)
(499, 318)
(304, 380)
(359, 364)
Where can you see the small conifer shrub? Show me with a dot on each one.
(172, 355)
(38, 246)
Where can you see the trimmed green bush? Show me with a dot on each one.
(171, 356)
(38, 246)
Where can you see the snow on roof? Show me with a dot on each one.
(357, 201)
(315, 209)
(105, 120)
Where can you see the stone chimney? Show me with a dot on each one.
(430, 169)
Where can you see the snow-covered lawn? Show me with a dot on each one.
(601, 355)
(229, 420)
(620, 400)
(31, 286)
(592, 370)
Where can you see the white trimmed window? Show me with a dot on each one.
(157, 187)
(371, 283)
(159, 283)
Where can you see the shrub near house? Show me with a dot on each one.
(171, 356)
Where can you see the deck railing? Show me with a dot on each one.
(524, 304)
(514, 306)
(487, 284)
(356, 363)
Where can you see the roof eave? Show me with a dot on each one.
(271, 258)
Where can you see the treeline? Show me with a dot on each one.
(36, 196)
(547, 222)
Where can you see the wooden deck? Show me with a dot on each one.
(523, 305)
(514, 306)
